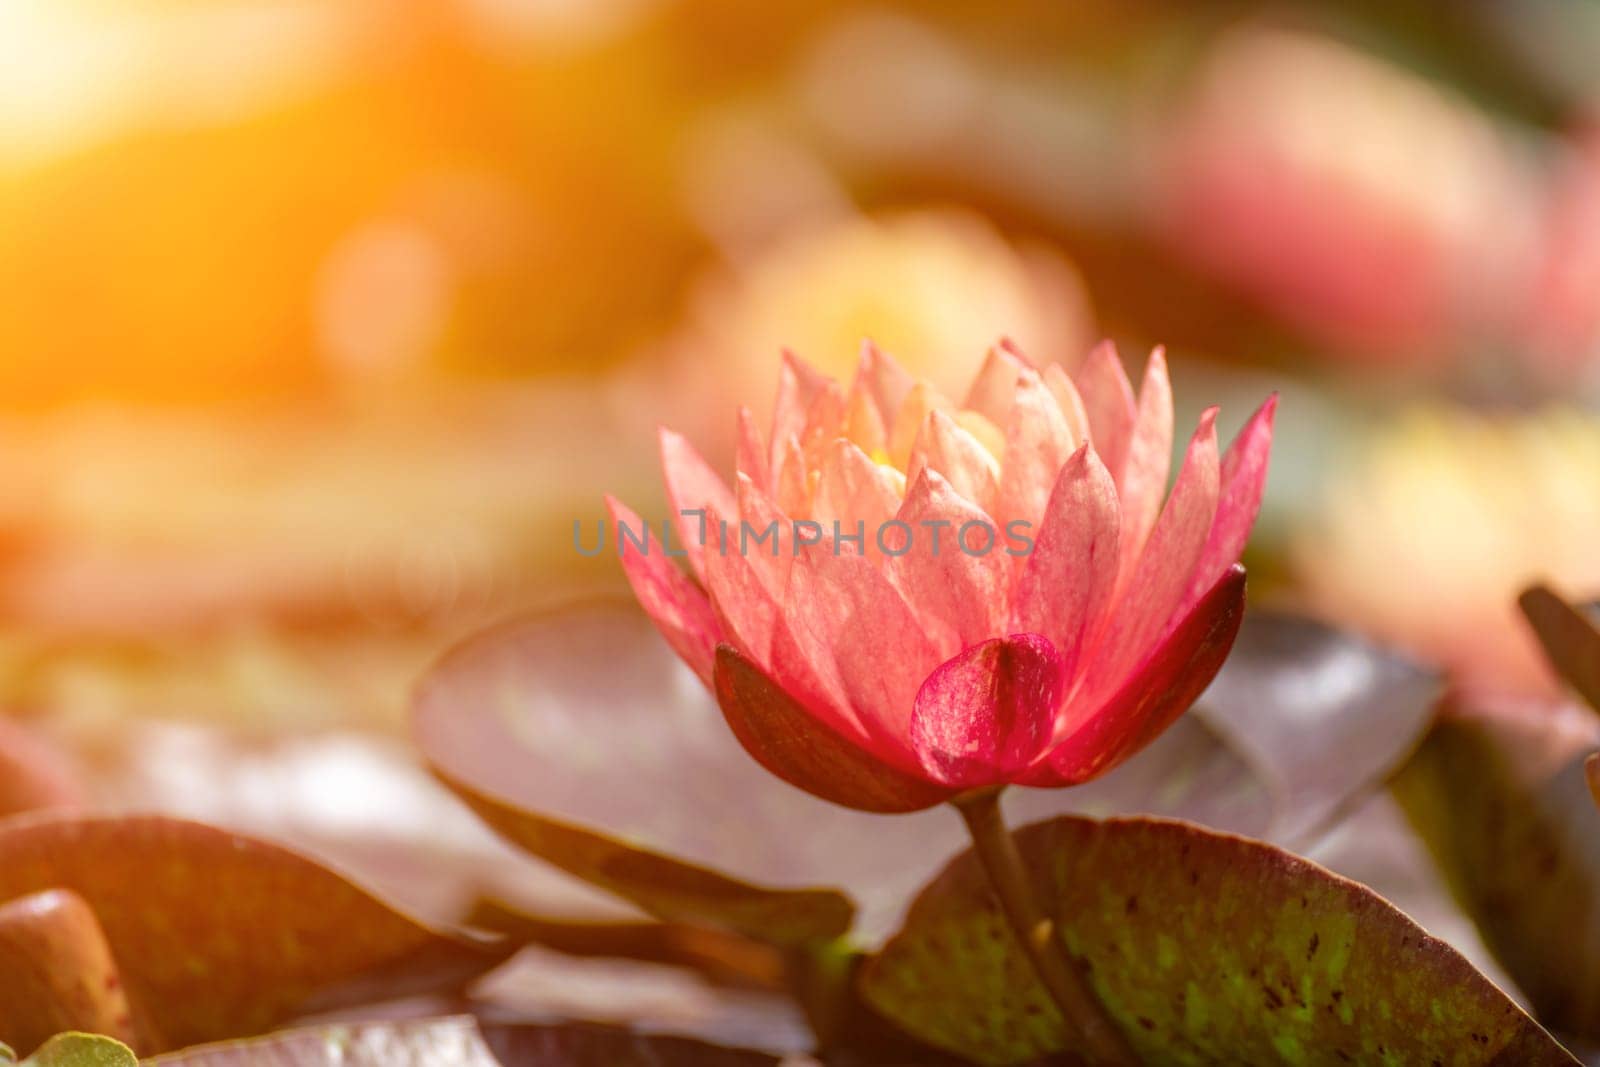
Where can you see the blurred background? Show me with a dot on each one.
(321, 323)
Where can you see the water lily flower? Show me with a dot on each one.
(901, 599)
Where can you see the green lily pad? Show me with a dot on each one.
(580, 737)
(217, 934)
(81, 1050)
(1498, 794)
(1204, 949)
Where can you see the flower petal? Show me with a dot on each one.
(738, 582)
(1108, 402)
(691, 487)
(1068, 579)
(674, 603)
(955, 585)
(884, 380)
(856, 494)
(1154, 591)
(995, 387)
(785, 739)
(751, 456)
(968, 466)
(908, 421)
(839, 600)
(986, 714)
(1038, 443)
(1244, 479)
(798, 386)
(1143, 481)
(1164, 685)
(1068, 400)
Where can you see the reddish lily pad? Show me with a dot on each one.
(1324, 716)
(1203, 948)
(580, 737)
(217, 934)
(1499, 795)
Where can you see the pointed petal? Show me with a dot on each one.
(841, 606)
(1108, 402)
(691, 486)
(825, 424)
(1154, 591)
(995, 386)
(1144, 475)
(745, 606)
(1068, 579)
(1170, 678)
(751, 456)
(862, 423)
(678, 608)
(791, 480)
(985, 715)
(1244, 479)
(883, 379)
(1068, 400)
(1038, 444)
(908, 421)
(798, 386)
(953, 577)
(967, 465)
(854, 491)
(785, 739)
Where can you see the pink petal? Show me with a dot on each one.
(908, 421)
(798, 386)
(1068, 400)
(785, 739)
(842, 607)
(957, 593)
(674, 603)
(825, 424)
(1160, 579)
(1170, 678)
(692, 486)
(791, 481)
(1068, 579)
(983, 716)
(1038, 443)
(855, 492)
(737, 581)
(751, 456)
(1244, 479)
(995, 386)
(1109, 405)
(945, 447)
(863, 424)
(1143, 483)
(884, 380)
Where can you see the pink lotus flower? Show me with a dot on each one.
(1019, 606)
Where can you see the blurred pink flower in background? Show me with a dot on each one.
(1563, 320)
(1357, 200)
(893, 672)
(1427, 536)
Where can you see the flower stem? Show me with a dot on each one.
(1101, 1042)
